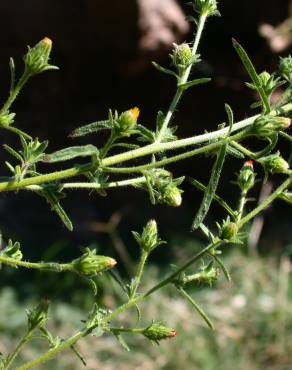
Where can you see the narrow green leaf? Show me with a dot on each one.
(13, 152)
(198, 81)
(234, 152)
(91, 128)
(209, 235)
(247, 63)
(252, 73)
(218, 199)
(164, 70)
(70, 153)
(223, 267)
(122, 342)
(53, 194)
(12, 74)
(211, 188)
(196, 307)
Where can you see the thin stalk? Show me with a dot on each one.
(204, 149)
(54, 351)
(184, 78)
(185, 295)
(266, 202)
(48, 266)
(241, 205)
(139, 272)
(26, 338)
(13, 94)
(132, 154)
(132, 302)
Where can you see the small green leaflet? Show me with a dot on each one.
(71, 152)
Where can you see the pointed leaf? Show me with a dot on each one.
(198, 81)
(12, 74)
(70, 153)
(211, 188)
(164, 70)
(91, 128)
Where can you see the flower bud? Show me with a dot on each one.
(90, 264)
(274, 163)
(267, 126)
(37, 58)
(38, 316)
(246, 178)
(285, 67)
(13, 251)
(207, 7)
(128, 119)
(149, 239)
(172, 195)
(228, 230)
(157, 332)
(182, 55)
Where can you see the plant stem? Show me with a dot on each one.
(26, 338)
(139, 272)
(204, 149)
(72, 340)
(13, 94)
(132, 154)
(185, 295)
(266, 202)
(184, 78)
(54, 351)
(48, 266)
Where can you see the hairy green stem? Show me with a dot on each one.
(132, 154)
(132, 302)
(139, 272)
(266, 202)
(184, 78)
(26, 338)
(48, 266)
(13, 94)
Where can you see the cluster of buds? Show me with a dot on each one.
(268, 126)
(127, 121)
(156, 332)
(90, 264)
(285, 68)
(274, 163)
(6, 119)
(163, 188)
(149, 239)
(38, 316)
(246, 178)
(228, 230)
(207, 274)
(37, 58)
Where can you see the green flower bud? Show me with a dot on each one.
(207, 7)
(149, 238)
(285, 67)
(128, 119)
(206, 275)
(274, 163)
(246, 178)
(7, 119)
(182, 55)
(157, 332)
(267, 126)
(172, 195)
(90, 264)
(228, 230)
(37, 58)
(38, 316)
(13, 251)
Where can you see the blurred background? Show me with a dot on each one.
(104, 51)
